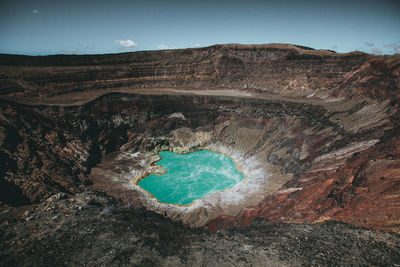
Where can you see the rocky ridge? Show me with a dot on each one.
(282, 69)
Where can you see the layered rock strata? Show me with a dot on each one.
(284, 69)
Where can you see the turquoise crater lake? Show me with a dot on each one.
(191, 176)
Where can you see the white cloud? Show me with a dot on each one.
(197, 45)
(36, 12)
(394, 47)
(126, 44)
(369, 44)
(163, 47)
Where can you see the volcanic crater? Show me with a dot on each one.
(315, 133)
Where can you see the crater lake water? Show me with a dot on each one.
(191, 176)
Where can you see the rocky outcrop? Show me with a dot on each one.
(38, 157)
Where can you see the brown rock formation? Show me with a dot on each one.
(283, 69)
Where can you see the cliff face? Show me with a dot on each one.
(283, 69)
(317, 131)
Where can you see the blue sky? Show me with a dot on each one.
(41, 27)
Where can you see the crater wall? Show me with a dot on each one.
(318, 132)
(283, 69)
(289, 151)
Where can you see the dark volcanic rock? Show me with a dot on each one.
(38, 157)
(93, 229)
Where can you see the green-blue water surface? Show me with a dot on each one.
(191, 176)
